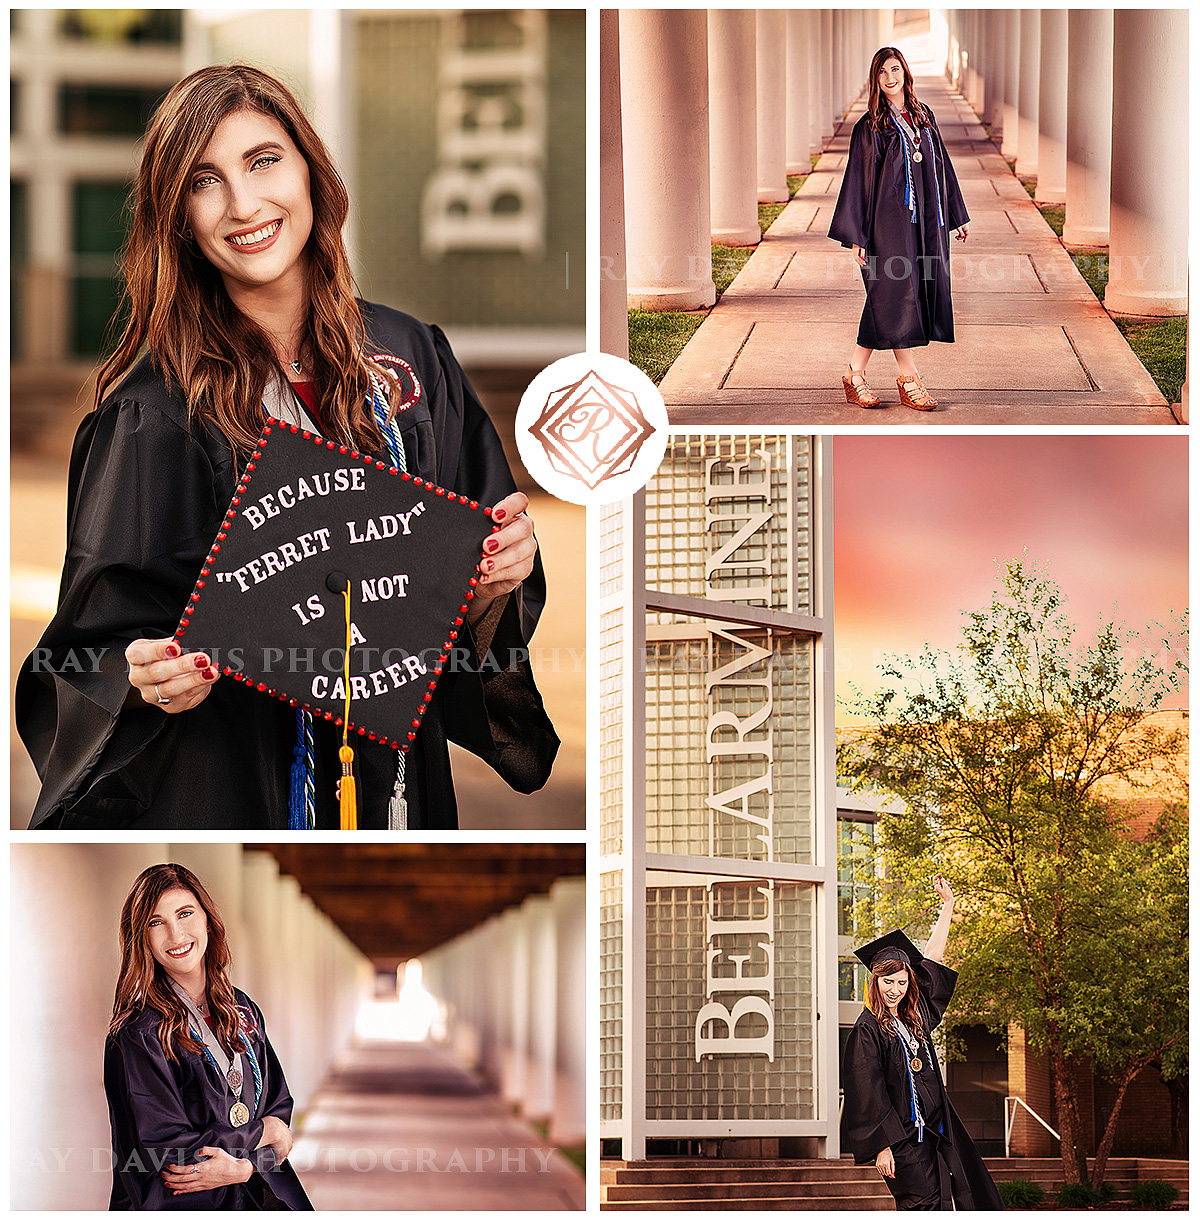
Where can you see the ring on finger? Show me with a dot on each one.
(160, 697)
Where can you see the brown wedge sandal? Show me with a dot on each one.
(857, 391)
(913, 393)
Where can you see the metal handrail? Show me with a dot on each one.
(1009, 1120)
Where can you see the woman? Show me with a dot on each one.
(197, 1100)
(898, 203)
(897, 1113)
(238, 292)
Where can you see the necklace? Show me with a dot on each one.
(909, 132)
(912, 1042)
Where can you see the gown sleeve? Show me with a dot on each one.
(141, 514)
(870, 1123)
(853, 216)
(956, 208)
(492, 705)
(936, 982)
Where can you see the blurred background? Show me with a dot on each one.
(461, 139)
(424, 1000)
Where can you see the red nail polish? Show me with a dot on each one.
(498, 514)
(210, 673)
(201, 661)
(489, 564)
(172, 649)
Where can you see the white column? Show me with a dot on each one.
(543, 1006)
(826, 82)
(1148, 225)
(733, 127)
(514, 1085)
(939, 40)
(257, 969)
(798, 124)
(664, 109)
(64, 958)
(1089, 125)
(812, 49)
(837, 61)
(971, 81)
(770, 58)
(1031, 60)
(219, 869)
(569, 1124)
(1052, 108)
(614, 315)
(1012, 81)
(997, 23)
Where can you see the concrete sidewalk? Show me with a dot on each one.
(1033, 345)
(404, 1126)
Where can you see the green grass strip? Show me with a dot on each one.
(656, 337)
(1161, 345)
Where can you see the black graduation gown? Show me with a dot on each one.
(878, 1111)
(147, 492)
(907, 276)
(162, 1112)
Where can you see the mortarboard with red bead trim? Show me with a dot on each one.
(323, 545)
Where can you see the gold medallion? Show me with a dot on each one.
(917, 155)
(239, 1114)
(916, 1064)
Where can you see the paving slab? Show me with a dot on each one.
(404, 1126)
(1033, 345)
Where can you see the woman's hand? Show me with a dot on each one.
(279, 1136)
(507, 554)
(885, 1163)
(935, 947)
(860, 256)
(164, 675)
(219, 1169)
(961, 233)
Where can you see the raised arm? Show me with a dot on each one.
(935, 947)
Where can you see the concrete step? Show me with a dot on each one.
(699, 1189)
(743, 1184)
(749, 1204)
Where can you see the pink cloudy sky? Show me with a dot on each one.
(923, 524)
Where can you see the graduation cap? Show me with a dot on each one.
(894, 946)
(338, 584)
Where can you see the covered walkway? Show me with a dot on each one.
(405, 1126)
(1033, 345)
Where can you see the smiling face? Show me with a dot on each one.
(891, 80)
(177, 934)
(250, 208)
(893, 988)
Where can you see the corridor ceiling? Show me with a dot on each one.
(396, 901)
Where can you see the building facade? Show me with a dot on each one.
(716, 803)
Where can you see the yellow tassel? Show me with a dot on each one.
(347, 797)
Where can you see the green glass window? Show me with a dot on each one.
(99, 231)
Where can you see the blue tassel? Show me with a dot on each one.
(297, 816)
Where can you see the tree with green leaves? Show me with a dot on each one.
(1006, 757)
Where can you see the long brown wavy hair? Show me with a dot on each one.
(878, 107)
(143, 983)
(178, 309)
(908, 1010)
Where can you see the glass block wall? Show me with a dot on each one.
(703, 507)
(722, 1086)
(611, 995)
(775, 684)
